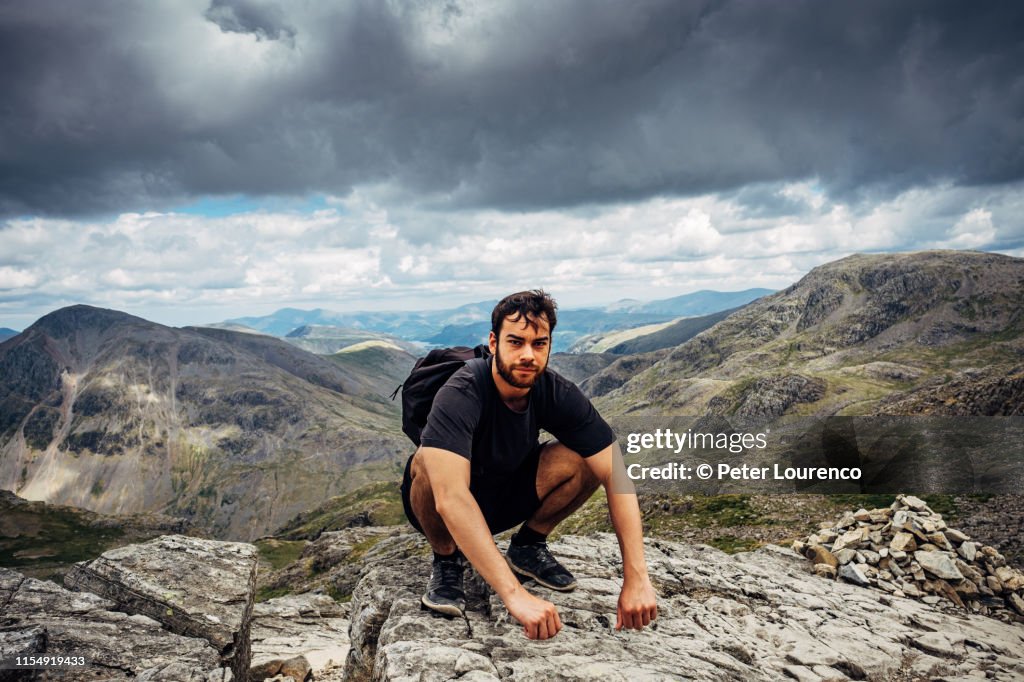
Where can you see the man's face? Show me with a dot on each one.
(521, 349)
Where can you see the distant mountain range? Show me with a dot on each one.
(236, 432)
(410, 325)
(649, 337)
(6, 333)
(324, 340)
(938, 333)
(690, 305)
(469, 324)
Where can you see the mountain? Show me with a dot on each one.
(669, 335)
(577, 367)
(287, 357)
(573, 325)
(6, 333)
(384, 365)
(324, 340)
(691, 305)
(233, 327)
(937, 332)
(649, 337)
(236, 432)
(469, 324)
(409, 325)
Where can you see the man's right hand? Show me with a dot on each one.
(538, 617)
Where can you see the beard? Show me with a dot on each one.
(507, 372)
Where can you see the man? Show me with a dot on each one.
(480, 470)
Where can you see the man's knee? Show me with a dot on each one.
(560, 465)
(420, 493)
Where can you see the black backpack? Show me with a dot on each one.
(428, 375)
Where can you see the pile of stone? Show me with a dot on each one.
(907, 550)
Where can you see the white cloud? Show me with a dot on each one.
(362, 253)
(16, 278)
(973, 230)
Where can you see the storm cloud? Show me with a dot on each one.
(112, 106)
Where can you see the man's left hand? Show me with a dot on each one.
(637, 605)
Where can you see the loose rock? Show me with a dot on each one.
(917, 548)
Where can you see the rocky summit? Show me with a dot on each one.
(762, 615)
(927, 333)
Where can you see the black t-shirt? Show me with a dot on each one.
(472, 421)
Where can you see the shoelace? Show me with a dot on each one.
(545, 558)
(449, 572)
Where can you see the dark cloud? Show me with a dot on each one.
(766, 201)
(264, 20)
(111, 105)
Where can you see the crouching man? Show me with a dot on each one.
(480, 470)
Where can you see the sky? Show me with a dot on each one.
(191, 161)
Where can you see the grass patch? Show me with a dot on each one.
(337, 595)
(268, 593)
(853, 502)
(942, 504)
(280, 553)
(375, 504)
(360, 549)
(52, 538)
(672, 516)
(668, 515)
(592, 517)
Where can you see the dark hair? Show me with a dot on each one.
(525, 304)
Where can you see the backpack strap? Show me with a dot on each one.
(481, 372)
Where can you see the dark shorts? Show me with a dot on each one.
(505, 502)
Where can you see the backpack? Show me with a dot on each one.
(428, 375)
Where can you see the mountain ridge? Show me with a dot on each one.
(238, 432)
(923, 313)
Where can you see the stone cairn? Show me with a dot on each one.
(908, 551)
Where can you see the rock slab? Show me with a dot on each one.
(194, 587)
(751, 616)
(305, 632)
(118, 646)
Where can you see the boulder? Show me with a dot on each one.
(194, 587)
(854, 574)
(967, 550)
(21, 641)
(118, 645)
(902, 542)
(938, 564)
(956, 537)
(849, 540)
(915, 503)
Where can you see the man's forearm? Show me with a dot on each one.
(625, 514)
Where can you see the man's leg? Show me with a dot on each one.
(445, 593)
(564, 483)
(421, 499)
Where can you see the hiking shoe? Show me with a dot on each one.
(535, 561)
(445, 593)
